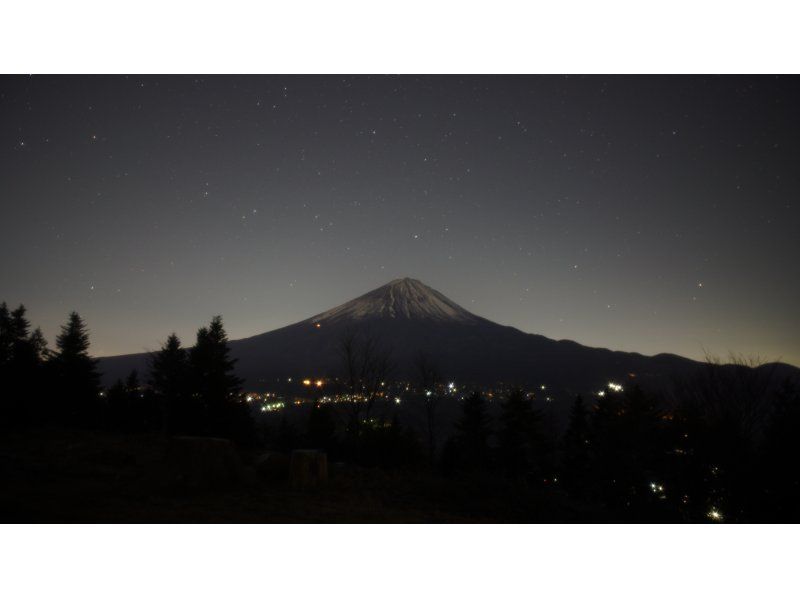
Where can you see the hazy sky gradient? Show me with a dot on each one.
(649, 214)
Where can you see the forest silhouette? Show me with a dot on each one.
(721, 446)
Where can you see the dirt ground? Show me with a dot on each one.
(57, 475)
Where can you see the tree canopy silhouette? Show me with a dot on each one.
(215, 385)
(521, 439)
(169, 379)
(22, 355)
(75, 377)
(469, 447)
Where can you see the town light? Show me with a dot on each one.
(715, 515)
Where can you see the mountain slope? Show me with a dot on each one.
(409, 317)
(404, 299)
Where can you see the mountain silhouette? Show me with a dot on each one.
(408, 318)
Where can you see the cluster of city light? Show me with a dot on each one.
(657, 489)
(254, 396)
(446, 388)
(310, 382)
(335, 399)
(273, 406)
(714, 514)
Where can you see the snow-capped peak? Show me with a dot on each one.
(403, 298)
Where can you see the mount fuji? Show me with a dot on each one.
(409, 318)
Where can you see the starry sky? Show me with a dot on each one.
(652, 214)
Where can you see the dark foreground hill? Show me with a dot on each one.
(77, 476)
(408, 318)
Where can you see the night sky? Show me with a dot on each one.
(655, 214)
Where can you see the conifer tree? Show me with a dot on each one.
(75, 373)
(170, 382)
(626, 438)
(8, 399)
(212, 366)
(20, 327)
(5, 336)
(520, 438)
(215, 385)
(39, 345)
(778, 476)
(321, 426)
(21, 361)
(472, 433)
(576, 447)
(129, 405)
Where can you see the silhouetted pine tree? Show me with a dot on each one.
(38, 345)
(778, 480)
(723, 412)
(285, 437)
(389, 445)
(430, 378)
(169, 371)
(5, 335)
(10, 400)
(19, 326)
(75, 377)
(321, 427)
(213, 367)
(521, 439)
(576, 448)
(216, 386)
(629, 452)
(22, 355)
(470, 445)
(130, 406)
